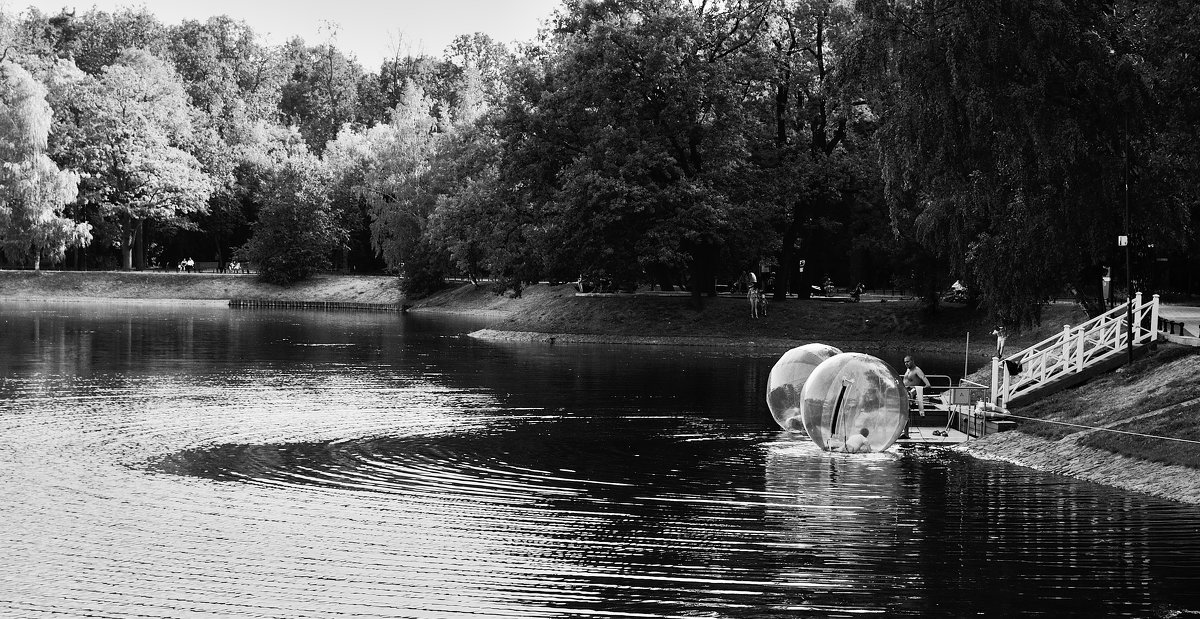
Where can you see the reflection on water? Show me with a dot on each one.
(191, 460)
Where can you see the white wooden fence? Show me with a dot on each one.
(1074, 350)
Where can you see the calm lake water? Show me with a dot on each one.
(191, 460)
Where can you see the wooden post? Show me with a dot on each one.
(1154, 318)
(1080, 339)
(1066, 348)
(995, 379)
(1005, 388)
(1137, 326)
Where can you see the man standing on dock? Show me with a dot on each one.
(916, 382)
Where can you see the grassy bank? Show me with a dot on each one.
(558, 310)
(207, 286)
(676, 318)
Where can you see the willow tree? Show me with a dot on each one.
(1003, 136)
(33, 190)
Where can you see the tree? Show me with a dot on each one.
(33, 190)
(125, 131)
(296, 231)
(98, 39)
(488, 60)
(1160, 42)
(227, 72)
(810, 144)
(321, 94)
(388, 167)
(233, 82)
(623, 137)
(1002, 133)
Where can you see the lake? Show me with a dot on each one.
(185, 459)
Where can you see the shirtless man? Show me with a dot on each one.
(913, 376)
(915, 381)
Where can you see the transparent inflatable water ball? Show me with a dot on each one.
(854, 402)
(787, 381)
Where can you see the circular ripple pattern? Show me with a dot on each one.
(351, 489)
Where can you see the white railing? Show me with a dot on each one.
(1074, 350)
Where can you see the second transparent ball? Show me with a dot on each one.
(787, 381)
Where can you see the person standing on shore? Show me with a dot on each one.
(1001, 336)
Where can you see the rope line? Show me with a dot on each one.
(1076, 425)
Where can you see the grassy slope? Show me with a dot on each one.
(1157, 395)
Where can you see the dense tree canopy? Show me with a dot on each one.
(1002, 131)
(296, 233)
(905, 143)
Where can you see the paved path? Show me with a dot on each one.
(1188, 316)
(1179, 313)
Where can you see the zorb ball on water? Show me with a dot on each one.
(854, 402)
(787, 380)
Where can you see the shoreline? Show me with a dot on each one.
(489, 334)
(1067, 458)
(119, 301)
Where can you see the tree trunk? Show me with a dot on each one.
(139, 245)
(129, 236)
(703, 270)
(787, 261)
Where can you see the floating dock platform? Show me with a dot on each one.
(923, 436)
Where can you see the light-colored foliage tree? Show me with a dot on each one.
(125, 131)
(33, 190)
(388, 167)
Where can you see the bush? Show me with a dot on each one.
(296, 231)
